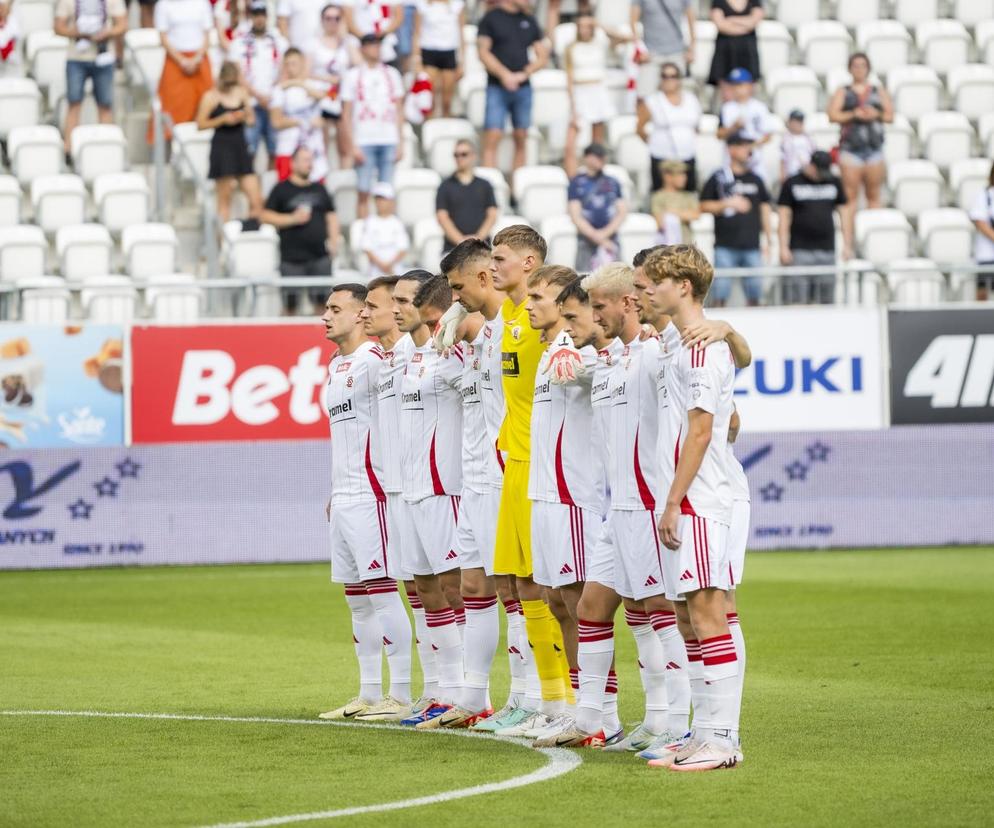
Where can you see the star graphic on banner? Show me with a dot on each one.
(128, 468)
(796, 470)
(771, 492)
(106, 487)
(80, 509)
(818, 451)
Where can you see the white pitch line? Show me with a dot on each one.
(560, 762)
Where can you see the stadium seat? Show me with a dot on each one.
(973, 12)
(915, 186)
(502, 192)
(984, 37)
(149, 249)
(540, 191)
(882, 235)
(912, 12)
(34, 16)
(507, 221)
(121, 199)
(823, 132)
(622, 176)
(416, 190)
(10, 201)
(359, 258)
(945, 137)
(411, 157)
(84, 250)
(44, 300)
(472, 92)
(46, 56)
(853, 12)
(174, 298)
(793, 87)
(703, 230)
(899, 139)
(886, 42)
(615, 14)
(471, 55)
(251, 254)
(565, 33)
(638, 231)
(985, 129)
(438, 140)
(915, 90)
(706, 33)
(98, 149)
(824, 45)
(561, 236)
(967, 178)
(505, 150)
(946, 235)
(915, 282)
(710, 149)
(22, 252)
(630, 151)
(775, 44)
(792, 13)
(58, 200)
(971, 89)
(145, 57)
(109, 300)
(342, 186)
(942, 44)
(861, 286)
(550, 100)
(346, 276)
(427, 240)
(191, 150)
(20, 104)
(35, 151)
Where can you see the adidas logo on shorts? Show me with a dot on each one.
(651, 581)
(452, 555)
(374, 566)
(387, 642)
(687, 575)
(672, 666)
(566, 570)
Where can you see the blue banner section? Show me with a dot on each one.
(61, 386)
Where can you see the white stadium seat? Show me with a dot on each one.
(886, 42)
(251, 254)
(823, 132)
(34, 16)
(438, 140)
(967, 178)
(84, 250)
(46, 55)
(347, 276)
(915, 186)
(862, 287)
(703, 230)
(793, 87)
(35, 151)
(706, 34)
(20, 104)
(10, 201)
(882, 235)
(984, 37)
(174, 298)
(342, 186)
(971, 88)
(622, 176)
(710, 149)
(109, 300)
(915, 282)
(915, 89)
(540, 191)
(614, 14)
(973, 12)
(148, 249)
(775, 44)
(565, 34)
(550, 100)
(985, 129)
(144, 55)
(561, 237)
(945, 137)
(505, 150)
(630, 151)
(44, 300)
(853, 12)
(427, 240)
(795, 12)
(411, 157)
(471, 55)
(942, 44)
(507, 221)
(359, 258)
(98, 149)
(899, 139)
(58, 200)
(22, 252)
(912, 12)
(191, 150)
(473, 92)
(946, 235)
(637, 232)
(824, 45)
(121, 199)
(502, 192)
(416, 190)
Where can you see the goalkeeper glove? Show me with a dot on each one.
(565, 366)
(448, 325)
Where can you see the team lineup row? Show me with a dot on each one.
(510, 430)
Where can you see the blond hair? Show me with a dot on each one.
(679, 262)
(520, 237)
(615, 278)
(553, 275)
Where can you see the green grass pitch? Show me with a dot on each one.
(869, 701)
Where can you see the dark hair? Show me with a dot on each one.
(418, 275)
(300, 149)
(327, 6)
(574, 290)
(293, 50)
(669, 65)
(382, 281)
(435, 293)
(990, 178)
(358, 291)
(644, 254)
(463, 252)
(856, 56)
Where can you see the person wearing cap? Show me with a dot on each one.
(383, 18)
(736, 44)
(740, 202)
(668, 121)
(796, 146)
(303, 213)
(259, 53)
(465, 204)
(673, 206)
(807, 203)
(745, 114)
(383, 238)
(373, 118)
(597, 208)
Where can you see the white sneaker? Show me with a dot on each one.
(704, 757)
(556, 725)
(535, 720)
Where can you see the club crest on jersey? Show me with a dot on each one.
(516, 332)
(487, 331)
(349, 382)
(343, 367)
(421, 371)
(417, 357)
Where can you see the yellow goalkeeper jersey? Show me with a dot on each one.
(521, 349)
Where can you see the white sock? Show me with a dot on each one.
(740, 655)
(367, 637)
(721, 676)
(479, 646)
(552, 708)
(515, 660)
(396, 635)
(426, 650)
(595, 652)
(533, 685)
(698, 692)
(653, 663)
(448, 653)
(612, 724)
(460, 613)
(677, 677)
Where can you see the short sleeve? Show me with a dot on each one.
(278, 99)
(574, 194)
(206, 16)
(327, 201)
(485, 29)
(980, 210)
(161, 18)
(840, 194)
(273, 201)
(398, 83)
(704, 382)
(786, 195)
(489, 197)
(442, 197)
(616, 188)
(764, 193)
(724, 118)
(536, 30)
(710, 191)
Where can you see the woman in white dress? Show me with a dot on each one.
(586, 70)
(330, 56)
(668, 121)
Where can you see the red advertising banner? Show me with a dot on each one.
(228, 382)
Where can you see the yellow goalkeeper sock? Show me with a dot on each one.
(540, 627)
(559, 647)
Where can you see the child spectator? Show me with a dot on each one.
(674, 207)
(383, 237)
(746, 115)
(796, 148)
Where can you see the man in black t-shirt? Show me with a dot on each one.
(304, 214)
(740, 203)
(504, 36)
(465, 205)
(807, 229)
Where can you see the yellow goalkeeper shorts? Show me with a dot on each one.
(513, 551)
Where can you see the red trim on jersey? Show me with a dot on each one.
(436, 479)
(378, 492)
(561, 485)
(647, 499)
(706, 551)
(655, 537)
(581, 555)
(381, 516)
(5, 51)
(500, 457)
(685, 507)
(454, 499)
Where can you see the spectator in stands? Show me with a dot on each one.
(807, 203)
(304, 214)
(90, 25)
(674, 207)
(259, 53)
(146, 17)
(504, 36)
(297, 20)
(228, 110)
(331, 55)
(740, 203)
(383, 237)
(439, 49)
(736, 46)
(796, 146)
(405, 34)
(10, 41)
(586, 63)
(465, 205)
(662, 35)
(295, 112)
(982, 216)
(184, 26)
(668, 120)
(382, 18)
(565, 11)
(598, 209)
(746, 114)
(373, 117)
(229, 21)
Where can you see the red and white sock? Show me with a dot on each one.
(426, 650)
(444, 635)
(612, 724)
(366, 636)
(652, 662)
(740, 653)
(515, 660)
(595, 652)
(698, 693)
(479, 645)
(721, 677)
(677, 677)
(396, 629)
(460, 613)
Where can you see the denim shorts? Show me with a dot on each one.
(752, 286)
(405, 34)
(502, 102)
(262, 129)
(862, 158)
(77, 71)
(380, 159)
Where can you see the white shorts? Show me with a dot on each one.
(476, 536)
(358, 535)
(561, 538)
(600, 558)
(430, 536)
(396, 521)
(738, 537)
(638, 567)
(592, 103)
(701, 561)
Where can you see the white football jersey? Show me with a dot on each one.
(669, 415)
(702, 378)
(600, 401)
(562, 422)
(632, 468)
(492, 392)
(477, 449)
(388, 423)
(431, 423)
(737, 477)
(350, 395)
